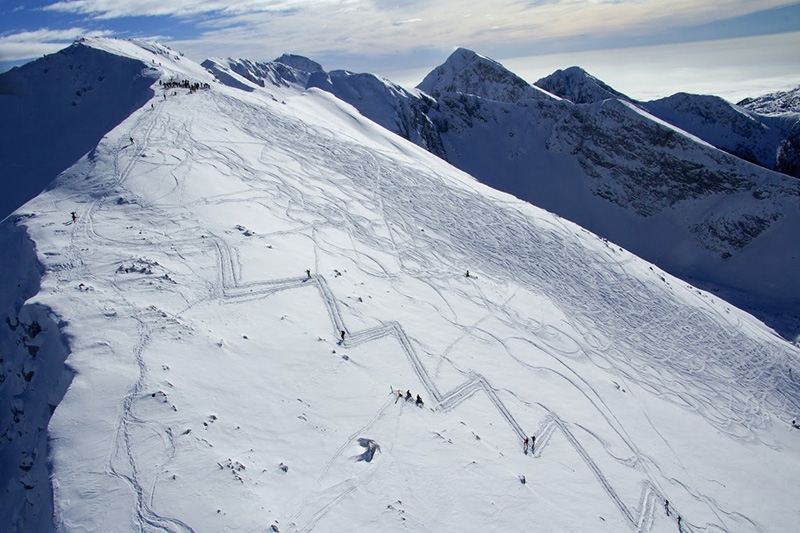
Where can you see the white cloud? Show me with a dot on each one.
(370, 27)
(30, 44)
(108, 9)
(730, 68)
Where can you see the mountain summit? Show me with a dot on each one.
(578, 86)
(469, 73)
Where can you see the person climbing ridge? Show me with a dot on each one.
(419, 401)
(408, 395)
(525, 445)
(666, 506)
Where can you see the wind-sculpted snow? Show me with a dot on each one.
(252, 282)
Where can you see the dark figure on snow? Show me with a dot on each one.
(308, 273)
(408, 395)
(467, 275)
(525, 445)
(666, 506)
(533, 441)
(342, 335)
(131, 140)
(419, 401)
(74, 216)
(679, 523)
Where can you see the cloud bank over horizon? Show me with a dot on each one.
(390, 38)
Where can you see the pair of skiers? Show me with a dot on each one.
(666, 508)
(532, 441)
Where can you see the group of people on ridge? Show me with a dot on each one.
(408, 397)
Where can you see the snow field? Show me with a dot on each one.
(205, 356)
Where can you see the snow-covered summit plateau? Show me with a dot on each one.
(213, 317)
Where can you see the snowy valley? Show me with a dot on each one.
(209, 317)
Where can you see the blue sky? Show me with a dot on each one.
(403, 39)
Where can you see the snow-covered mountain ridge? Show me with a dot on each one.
(199, 297)
(613, 166)
(764, 130)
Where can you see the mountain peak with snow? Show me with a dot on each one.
(776, 103)
(578, 86)
(300, 63)
(470, 73)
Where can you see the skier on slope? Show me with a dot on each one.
(525, 445)
(342, 335)
(419, 402)
(408, 395)
(533, 441)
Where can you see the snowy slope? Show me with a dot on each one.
(624, 173)
(210, 390)
(653, 188)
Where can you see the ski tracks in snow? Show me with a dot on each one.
(407, 242)
(640, 519)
